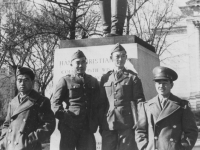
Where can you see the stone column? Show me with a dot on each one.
(193, 29)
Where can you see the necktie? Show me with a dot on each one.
(21, 98)
(81, 76)
(164, 101)
(118, 74)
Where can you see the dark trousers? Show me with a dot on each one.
(118, 140)
(72, 139)
(113, 15)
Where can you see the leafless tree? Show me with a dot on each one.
(80, 17)
(41, 60)
(28, 43)
(132, 8)
(6, 92)
(153, 22)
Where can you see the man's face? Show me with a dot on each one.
(79, 65)
(24, 84)
(119, 59)
(163, 87)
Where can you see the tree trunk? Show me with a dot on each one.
(73, 19)
(128, 21)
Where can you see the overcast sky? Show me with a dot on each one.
(181, 2)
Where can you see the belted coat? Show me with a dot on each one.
(81, 101)
(170, 128)
(116, 96)
(28, 123)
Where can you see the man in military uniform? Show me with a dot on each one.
(29, 119)
(77, 121)
(113, 15)
(166, 122)
(121, 91)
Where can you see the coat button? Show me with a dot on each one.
(10, 130)
(11, 120)
(24, 120)
(9, 142)
(171, 139)
(155, 137)
(174, 126)
(15, 143)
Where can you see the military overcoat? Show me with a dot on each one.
(116, 97)
(28, 123)
(170, 128)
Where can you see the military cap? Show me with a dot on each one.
(77, 54)
(24, 70)
(117, 48)
(165, 73)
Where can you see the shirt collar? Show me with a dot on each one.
(163, 98)
(117, 69)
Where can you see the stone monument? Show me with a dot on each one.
(113, 14)
(141, 59)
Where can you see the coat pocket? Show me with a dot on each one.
(75, 90)
(126, 115)
(127, 89)
(108, 88)
(22, 142)
(175, 145)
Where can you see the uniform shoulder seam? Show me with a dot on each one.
(132, 72)
(109, 72)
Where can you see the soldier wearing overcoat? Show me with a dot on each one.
(121, 91)
(77, 118)
(29, 119)
(166, 122)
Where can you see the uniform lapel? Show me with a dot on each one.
(15, 103)
(76, 79)
(26, 104)
(87, 79)
(155, 108)
(111, 77)
(170, 107)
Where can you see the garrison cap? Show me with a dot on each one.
(165, 73)
(77, 54)
(24, 70)
(117, 48)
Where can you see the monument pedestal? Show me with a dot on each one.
(141, 59)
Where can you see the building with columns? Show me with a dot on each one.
(184, 54)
